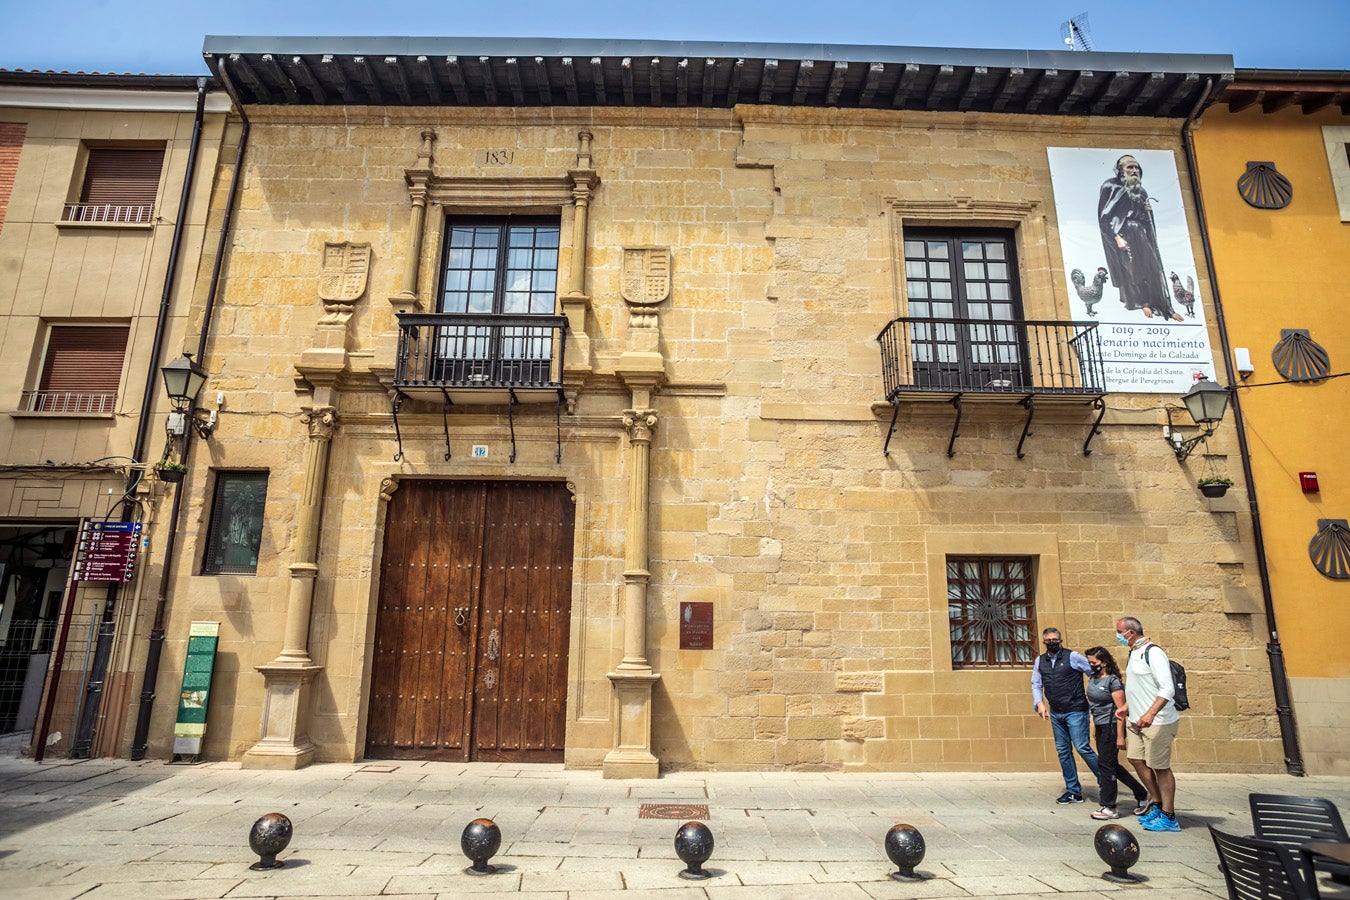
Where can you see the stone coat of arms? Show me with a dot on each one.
(645, 279)
(345, 270)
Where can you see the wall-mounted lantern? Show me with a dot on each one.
(1206, 402)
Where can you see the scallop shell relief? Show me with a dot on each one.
(1330, 548)
(1298, 357)
(1263, 187)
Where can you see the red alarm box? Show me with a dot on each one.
(1308, 481)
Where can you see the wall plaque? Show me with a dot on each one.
(696, 626)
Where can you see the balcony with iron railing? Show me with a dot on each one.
(480, 359)
(1018, 361)
(105, 214)
(72, 402)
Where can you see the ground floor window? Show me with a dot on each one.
(235, 532)
(991, 608)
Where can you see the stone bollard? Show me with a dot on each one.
(268, 837)
(694, 844)
(480, 842)
(1119, 850)
(905, 847)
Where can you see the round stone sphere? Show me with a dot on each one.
(269, 836)
(905, 847)
(480, 842)
(694, 844)
(1117, 848)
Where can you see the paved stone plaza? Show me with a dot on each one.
(112, 829)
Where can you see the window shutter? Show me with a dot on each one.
(122, 177)
(82, 367)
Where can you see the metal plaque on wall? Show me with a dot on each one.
(696, 626)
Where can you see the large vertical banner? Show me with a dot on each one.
(1127, 251)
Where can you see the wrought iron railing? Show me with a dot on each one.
(102, 212)
(68, 402)
(454, 351)
(981, 356)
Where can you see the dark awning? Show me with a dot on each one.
(487, 72)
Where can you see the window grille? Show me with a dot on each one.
(991, 608)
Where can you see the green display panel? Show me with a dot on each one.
(195, 694)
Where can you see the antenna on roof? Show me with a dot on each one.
(1075, 32)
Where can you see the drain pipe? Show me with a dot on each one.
(1284, 710)
(156, 648)
(81, 747)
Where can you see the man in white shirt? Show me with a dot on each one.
(1150, 722)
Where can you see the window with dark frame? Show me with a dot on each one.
(504, 266)
(972, 276)
(991, 610)
(120, 186)
(81, 370)
(235, 530)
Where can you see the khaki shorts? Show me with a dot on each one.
(1152, 744)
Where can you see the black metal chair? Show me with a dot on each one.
(1292, 821)
(1255, 869)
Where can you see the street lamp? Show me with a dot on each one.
(1206, 402)
(183, 378)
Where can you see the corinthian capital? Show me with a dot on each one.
(322, 421)
(639, 423)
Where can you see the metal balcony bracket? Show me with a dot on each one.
(895, 414)
(511, 421)
(1029, 401)
(557, 419)
(1100, 405)
(445, 420)
(951, 444)
(399, 397)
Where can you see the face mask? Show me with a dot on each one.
(1052, 646)
(1096, 670)
(1120, 639)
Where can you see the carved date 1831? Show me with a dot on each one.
(498, 157)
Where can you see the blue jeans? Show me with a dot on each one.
(1071, 733)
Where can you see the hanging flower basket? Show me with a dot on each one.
(171, 473)
(1214, 487)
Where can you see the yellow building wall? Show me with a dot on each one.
(1282, 269)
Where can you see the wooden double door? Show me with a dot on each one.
(471, 635)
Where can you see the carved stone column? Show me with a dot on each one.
(284, 743)
(645, 285)
(418, 178)
(575, 302)
(633, 678)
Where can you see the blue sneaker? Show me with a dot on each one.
(1161, 822)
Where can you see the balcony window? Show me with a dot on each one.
(964, 276)
(81, 369)
(120, 185)
(991, 611)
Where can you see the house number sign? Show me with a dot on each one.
(696, 626)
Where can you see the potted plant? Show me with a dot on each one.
(1214, 486)
(170, 471)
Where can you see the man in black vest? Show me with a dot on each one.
(1057, 692)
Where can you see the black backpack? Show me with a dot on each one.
(1180, 701)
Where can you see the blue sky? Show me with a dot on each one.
(166, 37)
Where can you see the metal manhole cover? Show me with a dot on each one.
(673, 811)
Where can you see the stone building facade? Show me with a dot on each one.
(98, 257)
(684, 498)
(1275, 174)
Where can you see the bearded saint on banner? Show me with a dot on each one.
(1130, 241)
